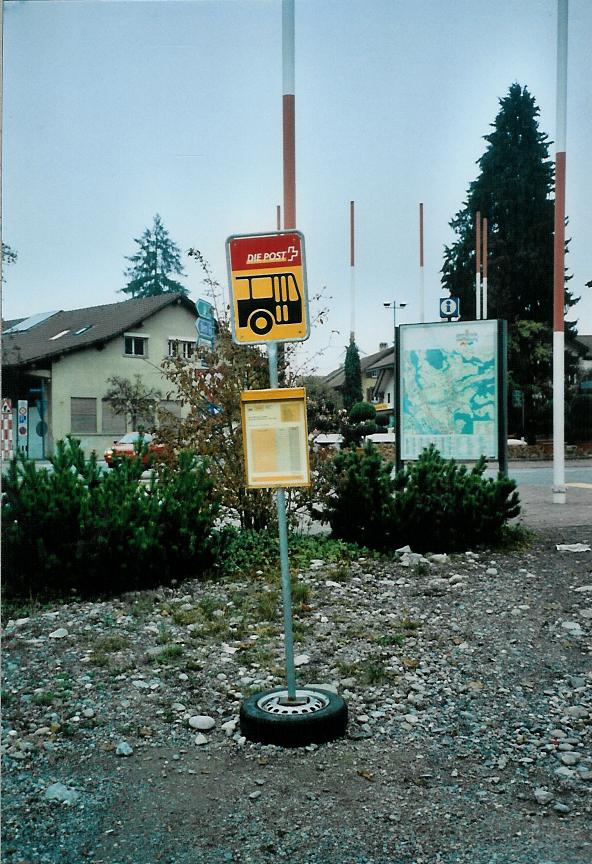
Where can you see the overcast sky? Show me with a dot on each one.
(114, 111)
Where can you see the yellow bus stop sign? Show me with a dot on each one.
(267, 276)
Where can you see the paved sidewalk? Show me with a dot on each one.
(539, 510)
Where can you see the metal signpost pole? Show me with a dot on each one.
(284, 559)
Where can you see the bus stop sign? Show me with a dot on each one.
(267, 277)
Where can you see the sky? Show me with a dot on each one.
(114, 111)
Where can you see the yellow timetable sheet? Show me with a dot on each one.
(275, 438)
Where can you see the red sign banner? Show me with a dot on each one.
(265, 252)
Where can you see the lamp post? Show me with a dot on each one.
(394, 306)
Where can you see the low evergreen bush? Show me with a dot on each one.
(77, 529)
(433, 504)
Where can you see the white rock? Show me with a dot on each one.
(491, 571)
(301, 660)
(177, 706)
(229, 727)
(317, 563)
(570, 758)
(583, 588)
(542, 796)
(573, 627)
(141, 685)
(573, 547)
(124, 749)
(202, 722)
(59, 792)
(201, 739)
(59, 633)
(412, 718)
(439, 558)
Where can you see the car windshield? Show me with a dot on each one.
(132, 437)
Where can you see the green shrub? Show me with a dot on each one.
(382, 421)
(360, 504)
(362, 411)
(433, 504)
(77, 529)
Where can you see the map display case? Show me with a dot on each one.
(452, 390)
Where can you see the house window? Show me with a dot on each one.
(169, 406)
(111, 422)
(373, 373)
(83, 414)
(135, 346)
(182, 348)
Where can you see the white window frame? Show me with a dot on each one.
(182, 343)
(143, 336)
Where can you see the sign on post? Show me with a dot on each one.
(6, 439)
(449, 307)
(22, 427)
(275, 438)
(205, 326)
(267, 277)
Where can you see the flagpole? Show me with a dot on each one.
(559, 261)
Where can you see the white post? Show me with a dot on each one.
(478, 265)
(352, 272)
(559, 262)
(485, 268)
(421, 269)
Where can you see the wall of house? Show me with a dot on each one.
(84, 374)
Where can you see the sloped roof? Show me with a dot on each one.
(337, 377)
(586, 341)
(106, 322)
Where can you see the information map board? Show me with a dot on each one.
(452, 389)
(275, 438)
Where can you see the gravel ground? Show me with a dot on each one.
(469, 686)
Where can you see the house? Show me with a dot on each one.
(60, 363)
(369, 368)
(585, 362)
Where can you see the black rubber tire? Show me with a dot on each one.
(268, 318)
(294, 730)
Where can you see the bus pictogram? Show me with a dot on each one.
(269, 299)
(267, 277)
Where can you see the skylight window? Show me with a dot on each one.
(83, 329)
(59, 335)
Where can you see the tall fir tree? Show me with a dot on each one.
(156, 259)
(514, 192)
(352, 387)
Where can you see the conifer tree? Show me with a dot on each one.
(156, 259)
(514, 192)
(352, 387)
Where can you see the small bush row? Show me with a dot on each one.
(76, 529)
(433, 504)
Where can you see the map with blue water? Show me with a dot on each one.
(449, 390)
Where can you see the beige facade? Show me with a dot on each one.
(84, 375)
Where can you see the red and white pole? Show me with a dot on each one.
(559, 262)
(352, 272)
(478, 265)
(485, 268)
(289, 113)
(421, 268)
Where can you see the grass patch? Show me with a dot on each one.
(44, 698)
(168, 653)
(111, 644)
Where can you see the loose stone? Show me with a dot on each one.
(201, 722)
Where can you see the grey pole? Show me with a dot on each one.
(272, 354)
(395, 307)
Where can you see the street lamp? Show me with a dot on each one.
(394, 306)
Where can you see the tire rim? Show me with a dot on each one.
(309, 702)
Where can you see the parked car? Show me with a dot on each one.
(127, 446)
